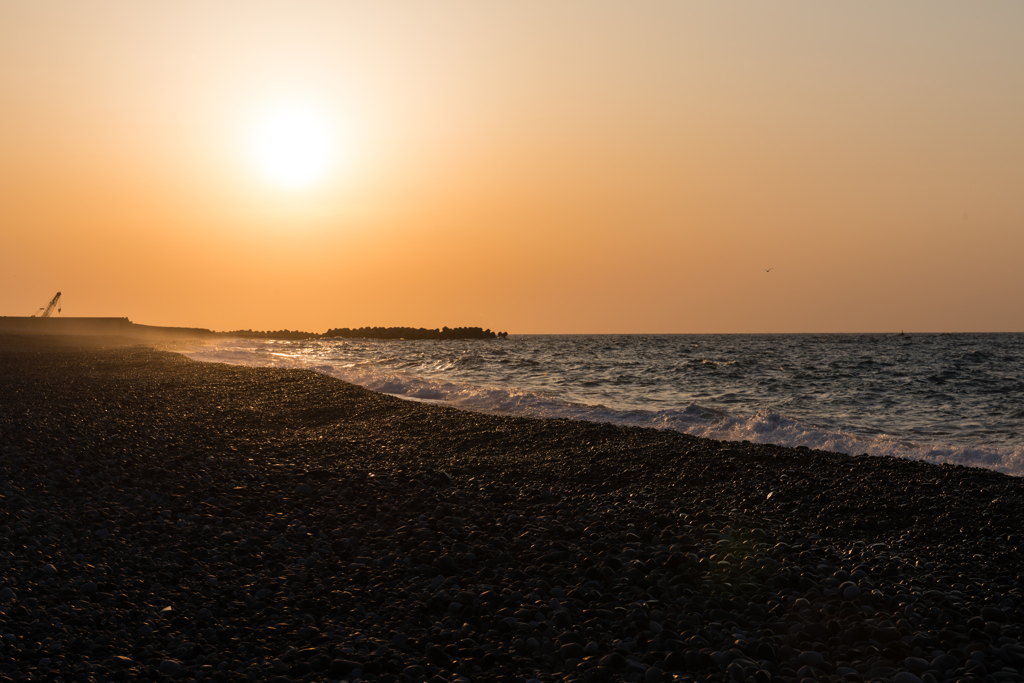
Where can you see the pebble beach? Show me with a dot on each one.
(166, 519)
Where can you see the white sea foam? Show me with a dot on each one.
(764, 426)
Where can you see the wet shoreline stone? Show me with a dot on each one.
(167, 520)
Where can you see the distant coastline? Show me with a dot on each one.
(21, 325)
(376, 333)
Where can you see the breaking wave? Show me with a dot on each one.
(395, 370)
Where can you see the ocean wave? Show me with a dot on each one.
(765, 426)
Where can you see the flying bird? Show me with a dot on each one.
(770, 269)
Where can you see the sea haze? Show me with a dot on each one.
(955, 398)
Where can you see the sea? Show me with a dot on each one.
(941, 398)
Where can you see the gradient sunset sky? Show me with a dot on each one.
(525, 166)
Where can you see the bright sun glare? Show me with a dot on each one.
(294, 146)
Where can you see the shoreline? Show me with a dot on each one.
(759, 421)
(297, 525)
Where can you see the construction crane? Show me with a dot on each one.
(46, 313)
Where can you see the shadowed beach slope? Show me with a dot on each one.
(164, 518)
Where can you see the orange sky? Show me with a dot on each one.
(525, 166)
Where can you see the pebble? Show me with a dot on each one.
(811, 658)
(170, 667)
(446, 564)
(916, 665)
(905, 677)
(944, 664)
(653, 675)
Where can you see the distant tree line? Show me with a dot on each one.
(374, 333)
(273, 334)
(414, 333)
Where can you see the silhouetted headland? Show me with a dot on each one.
(116, 327)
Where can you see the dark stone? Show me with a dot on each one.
(990, 613)
(675, 661)
(342, 667)
(613, 661)
(811, 658)
(438, 657)
(446, 564)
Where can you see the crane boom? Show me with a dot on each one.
(53, 304)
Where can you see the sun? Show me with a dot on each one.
(294, 146)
